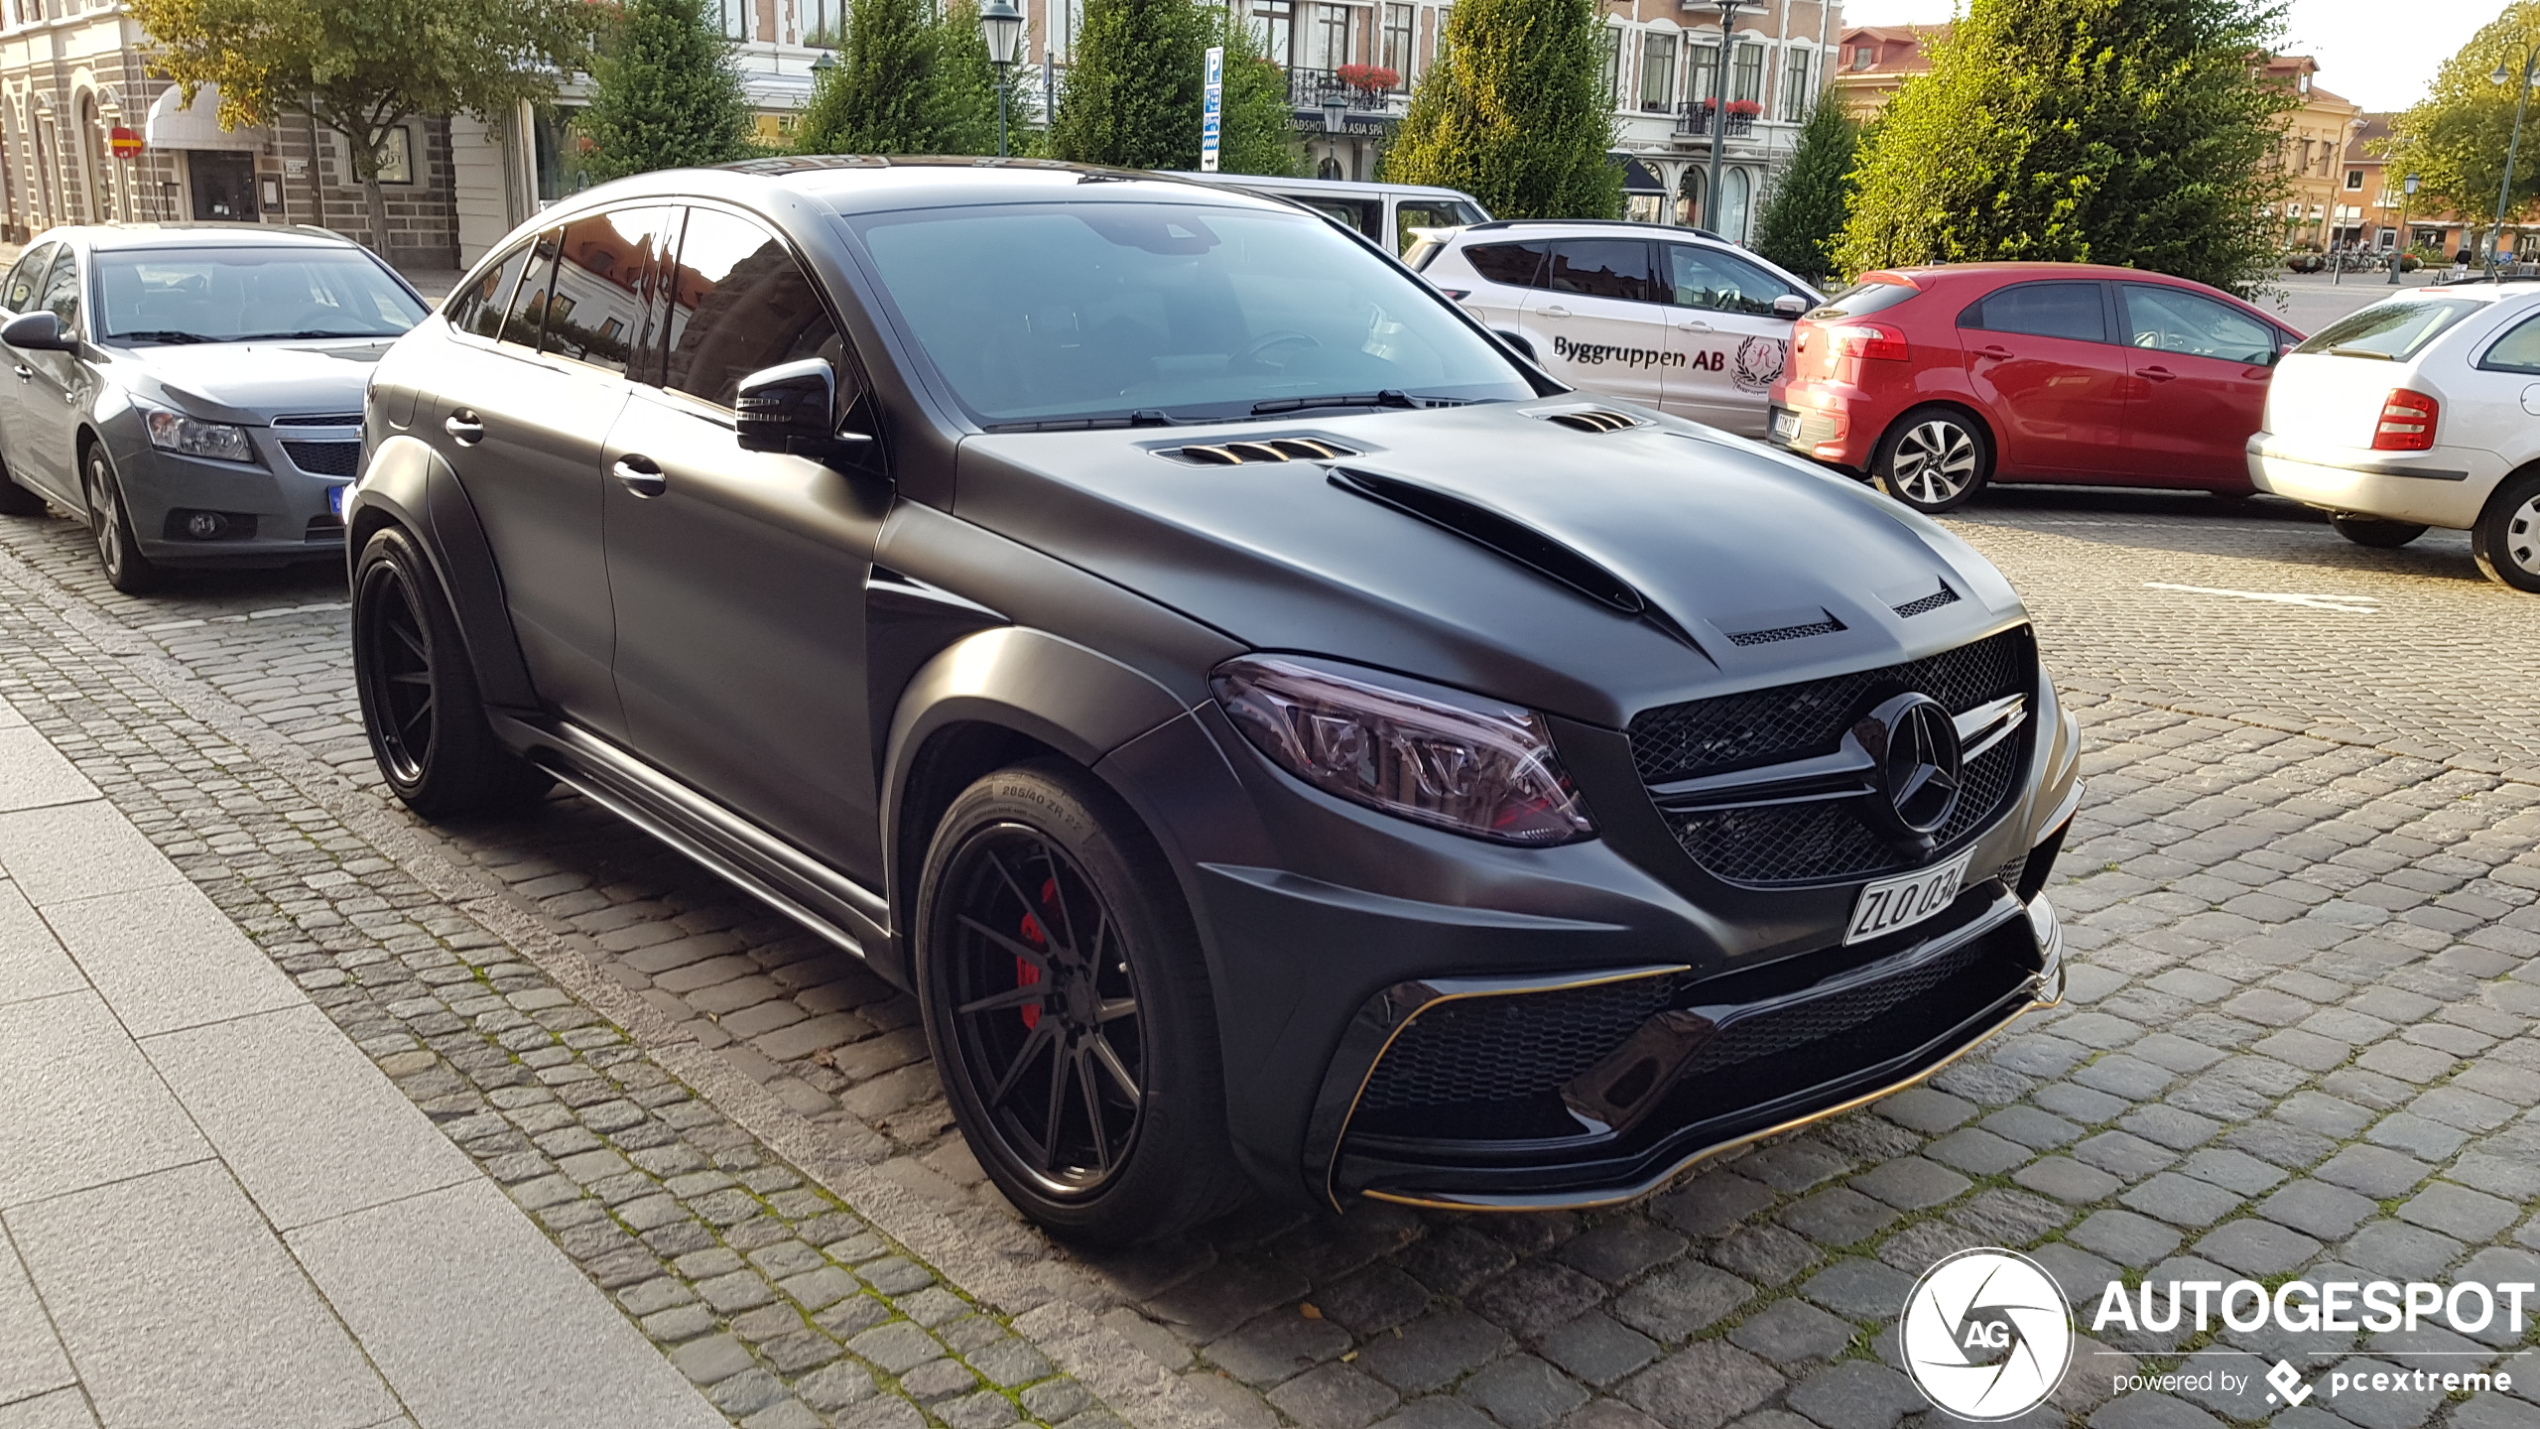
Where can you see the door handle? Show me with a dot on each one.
(2158, 374)
(25, 373)
(1694, 325)
(1554, 311)
(465, 427)
(640, 474)
(1995, 351)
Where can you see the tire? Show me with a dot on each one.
(2375, 532)
(16, 500)
(1096, 1103)
(110, 527)
(2506, 540)
(420, 705)
(1934, 459)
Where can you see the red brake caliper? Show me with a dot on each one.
(1025, 974)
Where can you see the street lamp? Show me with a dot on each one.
(1001, 25)
(2399, 251)
(1335, 102)
(2530, 71)
(1720, 111)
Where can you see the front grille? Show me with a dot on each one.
(325, 458)
(1772, 1033)
(332, 419)
(1826, 841)
(1498, 1049)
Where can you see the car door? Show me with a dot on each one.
(1597, 321)
(2199, 388)
(2053, 385)
(18, 294)
(521, 429)
(1506, 275)
(1726, 345)
(51, 399)
(740, 576)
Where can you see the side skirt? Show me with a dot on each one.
(757, 862)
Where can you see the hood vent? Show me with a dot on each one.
(1589, 419)
(1933, 601)
(1778, 633)
(1255, 453)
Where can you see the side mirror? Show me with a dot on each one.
(1790, 305)
(39, 332)
(793, 407)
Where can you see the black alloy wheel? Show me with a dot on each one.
(110, 526)
(1068, 1011)
(1045, 1008)
(418, 693)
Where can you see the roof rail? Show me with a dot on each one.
(1592, 222)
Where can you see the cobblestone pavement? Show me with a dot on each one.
(2299, 900)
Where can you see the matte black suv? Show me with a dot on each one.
(1279, 734)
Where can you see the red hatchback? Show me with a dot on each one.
(1937, 380)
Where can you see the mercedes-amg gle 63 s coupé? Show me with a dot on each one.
(1279, 734)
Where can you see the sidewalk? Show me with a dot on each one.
(217, 1211)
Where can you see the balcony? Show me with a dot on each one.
(1363, 106)
(1694, 119)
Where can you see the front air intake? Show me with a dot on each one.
(1254, 453)
(1590, 419)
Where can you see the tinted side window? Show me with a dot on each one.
(61, 288)
(1355, 214)
(26, 280)
(2517, 351)
(1603, 268)
(529, 302)
(2070, 310)
(478, 308)
(1414, 213)
(2175, 321)
(603, 280)
(1704, 278)
(1519, 265)
(739, 303)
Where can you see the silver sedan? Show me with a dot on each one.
(194, 391)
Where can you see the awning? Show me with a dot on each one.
(1639, 178)
(174, 124)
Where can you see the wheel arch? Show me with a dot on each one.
(1957, 406)
(408, 485)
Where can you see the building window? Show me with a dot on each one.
(2354, 180)
(1398, 56)
(1747, 82)
(821, 30)
(736, 19)
(1864, 56)
(1657, 70)
(1703, 72)
(397, 156)
(1439, 45)
(1613, 81)
(1795, 95)
(1329, 43)
(1273, 24)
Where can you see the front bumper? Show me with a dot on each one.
(2443, 487)
(271, 511)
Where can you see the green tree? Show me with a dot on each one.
(1807, 214)
(1254, 132)
(363, 67)
(910, 81)
(664, 94)
(1133, 95)
(2456, 138)
(2107, 131)
(1514, 114)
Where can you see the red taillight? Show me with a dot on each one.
(1872, 340)
(2407, 422)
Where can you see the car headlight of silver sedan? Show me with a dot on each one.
(192, 436)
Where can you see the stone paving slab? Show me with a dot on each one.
(2301, 908)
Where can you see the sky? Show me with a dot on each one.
(2379, 54)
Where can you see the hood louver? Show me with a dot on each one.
(1253, 453)
(1589, 419)
(1776, 634)
(1933, 601)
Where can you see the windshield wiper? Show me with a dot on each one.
(304, 333)
(1390, 397)
(160, 334)
(1143, 417)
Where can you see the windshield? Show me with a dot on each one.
(2395, 329)
(1071, 312)
(176, 295)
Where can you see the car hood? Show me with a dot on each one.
(252, 381)
(1759, 568)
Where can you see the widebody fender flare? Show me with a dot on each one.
(407, 482)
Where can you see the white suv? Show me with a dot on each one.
(2415, 412)
(1674, 318)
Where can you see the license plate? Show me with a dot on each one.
(336, 498)
(1893, 903)
(1785, 426)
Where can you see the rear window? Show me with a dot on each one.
(2396, 330)
(1862, 299)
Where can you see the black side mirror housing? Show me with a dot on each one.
(793, 408)
(39, 332)
(1790, 305)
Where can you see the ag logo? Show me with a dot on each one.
(1986, 1335)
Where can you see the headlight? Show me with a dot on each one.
(1486, 770)
(176, 432)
